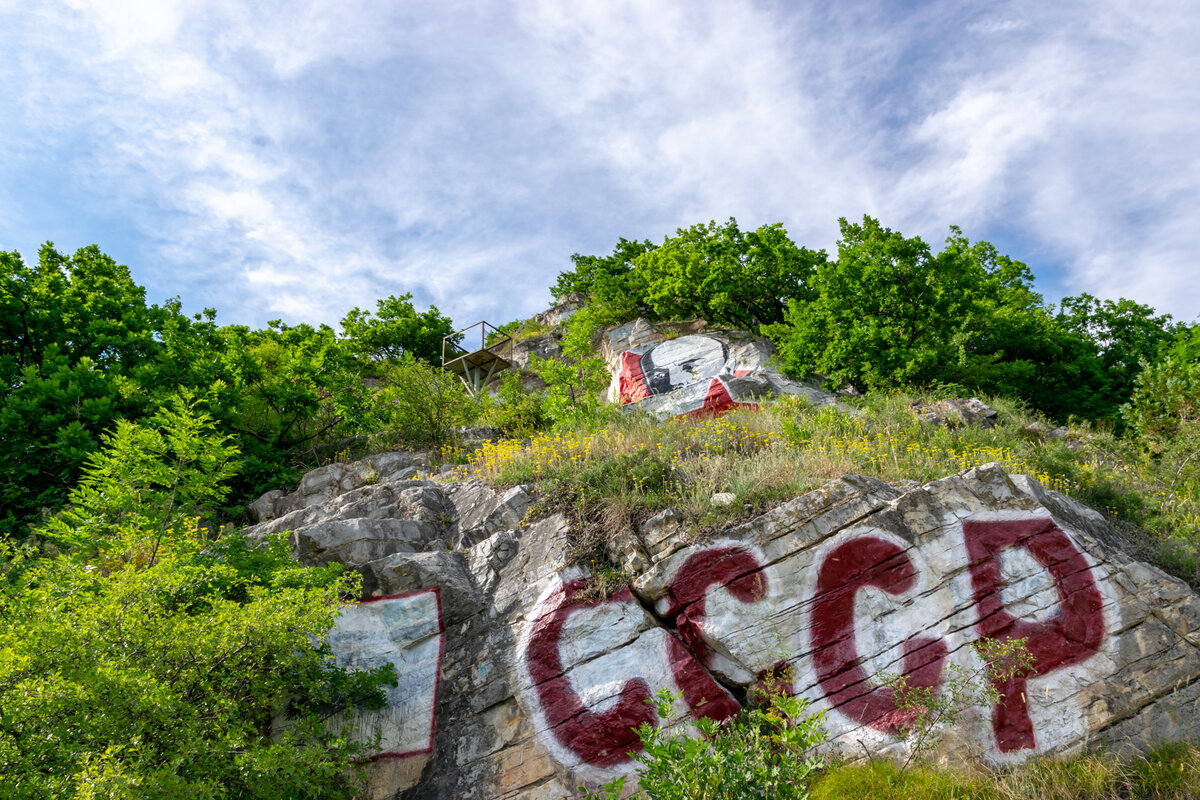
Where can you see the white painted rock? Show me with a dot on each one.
(542, 677)
(699, 374)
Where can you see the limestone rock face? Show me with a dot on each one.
(334, 479)
(674, 370)
(520, 678)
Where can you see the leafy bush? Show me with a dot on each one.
(422, 402)
(512, 409)
(574, 393)
(765, 751)
(145, 660)
(929, 710)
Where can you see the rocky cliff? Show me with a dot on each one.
(516, 681)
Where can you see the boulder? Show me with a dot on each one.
(563, 309)
(953, 412)
(335, 479)
(522, 677)
(544, 346)
(481, 511)
(658, 370)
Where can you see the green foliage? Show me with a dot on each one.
(396, 329)
(1166, 399)
(885, 312)
(1128, 335)
(766, 751)
(1164, 413)
(730, 278)
(284, 390)
(512, 409)
(574, 393)
(73, 330)
(146, 661)
(80, 350)
(718, 272)
(931, 710)
(151, 478)
(422, 402)
(891, 313)
(83, 306)
(644, 472)
(592, 269)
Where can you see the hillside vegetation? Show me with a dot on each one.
(146, 646)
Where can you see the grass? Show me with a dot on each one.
(1169, 772)
(622, 473)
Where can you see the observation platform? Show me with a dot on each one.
(479, 366)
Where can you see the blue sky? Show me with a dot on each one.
(293, 160)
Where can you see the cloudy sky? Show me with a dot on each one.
(293, 160)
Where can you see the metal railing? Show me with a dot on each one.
(502, 347)
(478, 366)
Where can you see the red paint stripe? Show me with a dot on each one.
(631, 383)
(604, 739)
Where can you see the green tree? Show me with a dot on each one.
(1027, 353)
(726, 276)
(74, 331)
(890, 312)
(286, 390)
(422, 402)
(574, 393)
(588, 269)
(83, 306)
(1127, 335)
(148, 661)
(716, 272)
(396, 329)
(885, 312)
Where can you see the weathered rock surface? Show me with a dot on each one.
(337, 478)
(953, 412)
(681, 369)
(517, 682)
(545, 345)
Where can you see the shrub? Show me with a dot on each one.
(423, 403)
(146, 661)
(765, 751)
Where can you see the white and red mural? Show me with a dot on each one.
(861, 604)
(406, 631)
(691, 376)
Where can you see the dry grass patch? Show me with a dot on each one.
(615, 476)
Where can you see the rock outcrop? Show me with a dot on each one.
(678, 369)
(518, 682)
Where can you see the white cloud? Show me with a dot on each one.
(298, 159)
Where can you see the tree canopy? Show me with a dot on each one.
(396, 329)
(80, 349)
(888, 311)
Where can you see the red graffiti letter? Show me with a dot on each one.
(738, 571)
(1075, 632)
(603, 739)
(852, 565)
